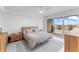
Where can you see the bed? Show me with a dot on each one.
(43, 40)
(34, 37)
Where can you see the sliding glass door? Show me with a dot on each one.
(71, 24)
(64, 25)
(58, 25)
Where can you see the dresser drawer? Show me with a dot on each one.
(3, 41)
(0, 45)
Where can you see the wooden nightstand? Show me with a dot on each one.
(16, 36)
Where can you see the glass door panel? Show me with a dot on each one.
(58, 26)
(71, 24)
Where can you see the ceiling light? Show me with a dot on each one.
(41, 11)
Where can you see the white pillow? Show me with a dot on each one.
(35, 29)
(29, 30)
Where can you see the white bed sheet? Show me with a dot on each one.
(53, 45)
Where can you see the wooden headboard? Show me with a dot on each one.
(30, 27)
(24, 28)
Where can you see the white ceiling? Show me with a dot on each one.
(34, 10)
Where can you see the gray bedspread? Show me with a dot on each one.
(36, 38)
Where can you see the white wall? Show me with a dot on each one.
(0, 18)
(12, 23)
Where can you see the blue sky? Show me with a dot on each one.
(67, 20)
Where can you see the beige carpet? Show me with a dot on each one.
(53, 45)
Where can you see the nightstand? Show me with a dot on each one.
(16, 36)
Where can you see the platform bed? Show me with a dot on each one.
(45, 43)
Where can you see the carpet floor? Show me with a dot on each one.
(53, 45)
